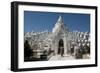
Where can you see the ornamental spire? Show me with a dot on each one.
(59, 24)
(60, 20)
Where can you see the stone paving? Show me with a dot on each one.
(59, 57)
(66, 57)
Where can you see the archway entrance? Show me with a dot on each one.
(60, 47)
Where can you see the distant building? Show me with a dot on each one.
(59, 37)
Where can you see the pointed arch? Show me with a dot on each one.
(60, 45)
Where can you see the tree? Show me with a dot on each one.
(87, 49)
(27, 50)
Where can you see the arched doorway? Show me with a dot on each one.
(60, 46)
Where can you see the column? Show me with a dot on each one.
(65, 45)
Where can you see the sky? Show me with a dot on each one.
(41, 21)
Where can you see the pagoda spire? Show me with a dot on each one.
(60, 20)
(59, 24)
